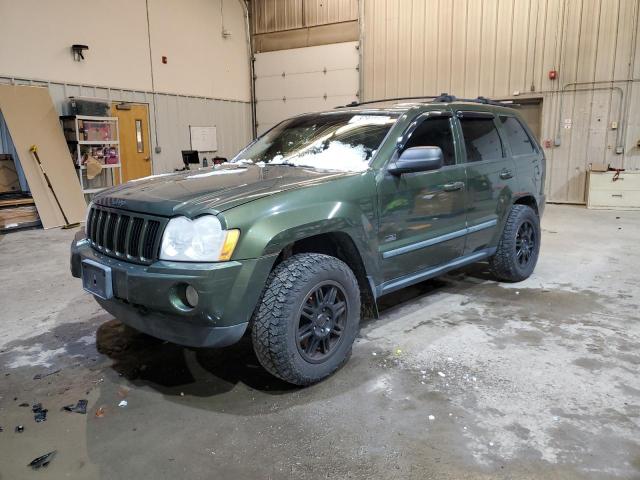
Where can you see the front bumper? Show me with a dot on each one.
(145, 296)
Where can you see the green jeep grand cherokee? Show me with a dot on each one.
(298, 235)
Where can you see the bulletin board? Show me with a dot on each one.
(203, 138)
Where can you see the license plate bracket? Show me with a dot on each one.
(96, 279)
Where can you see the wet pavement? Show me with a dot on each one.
(460, 378)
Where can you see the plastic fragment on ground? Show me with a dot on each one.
(40, 376)
(42, 461)
(80, 407)
(39, 413)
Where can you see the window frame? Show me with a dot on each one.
(460, 114)
(414, 124)
(532, 140)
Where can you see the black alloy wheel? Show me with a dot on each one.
(525, 243)
(322, 321)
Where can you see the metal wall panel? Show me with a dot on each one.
(505, 49)
(322, 12)
(276, 15)
(174, 115)
(279, 15)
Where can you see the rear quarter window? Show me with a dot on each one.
(517, 137)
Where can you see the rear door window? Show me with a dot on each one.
(481, 139)
(517, 136)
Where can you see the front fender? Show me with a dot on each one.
(270, 235)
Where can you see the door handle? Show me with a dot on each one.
(506, 174)
(452, 187)
(147, 159)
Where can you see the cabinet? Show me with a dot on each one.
(95, 138)
(606, 191)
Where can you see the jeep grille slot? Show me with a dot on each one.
(124, 235)
(134, 239)
(150, 239)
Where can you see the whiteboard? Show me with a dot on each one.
(203, 139)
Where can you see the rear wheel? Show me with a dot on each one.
(308, 318)
(519, 246)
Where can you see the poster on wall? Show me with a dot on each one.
(203, 138)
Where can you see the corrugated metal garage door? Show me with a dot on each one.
(300, 80)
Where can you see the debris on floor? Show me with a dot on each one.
(123, 403)
(19, 429)
(42, 461)
(80, 407)
(39, 413)
(100, 412)
(24, 404)
(40, 376)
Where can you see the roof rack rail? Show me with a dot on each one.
(488, 101)
(442, 98)
(380, 100)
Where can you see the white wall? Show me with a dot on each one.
(205, 82)
(200, 60)
(36, 36)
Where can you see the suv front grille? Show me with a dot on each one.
(126, 235)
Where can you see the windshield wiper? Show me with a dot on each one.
(286, 164)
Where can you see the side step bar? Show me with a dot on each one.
(431, 272)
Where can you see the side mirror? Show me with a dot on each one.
(417, 159)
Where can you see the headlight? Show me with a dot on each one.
(199, 240)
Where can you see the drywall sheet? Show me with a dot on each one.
(33, 120)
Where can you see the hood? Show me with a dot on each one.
(212, 189)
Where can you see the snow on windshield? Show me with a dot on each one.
(336, 141)
(337, 156)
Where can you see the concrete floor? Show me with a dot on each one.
(460, 378)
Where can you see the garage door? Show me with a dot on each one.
(300, 80)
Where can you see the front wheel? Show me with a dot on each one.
(518, 247)
(305, 325)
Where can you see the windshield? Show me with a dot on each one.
(330, 141)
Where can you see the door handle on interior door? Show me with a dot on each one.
(452, 187)
(506, 174)
(147, 159)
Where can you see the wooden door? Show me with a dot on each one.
(135, 147)
(531, 112)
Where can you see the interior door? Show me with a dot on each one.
(422, 215)
(135, 148)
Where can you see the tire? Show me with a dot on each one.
(518, 247)
(292, 299)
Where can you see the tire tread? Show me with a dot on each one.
(270, 322)
(502, 265)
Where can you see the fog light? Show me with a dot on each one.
(191, 295)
